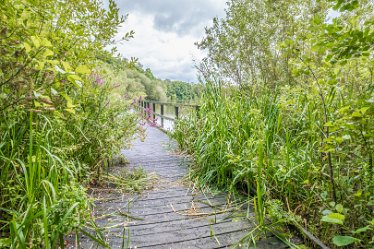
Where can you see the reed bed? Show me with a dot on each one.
(273, 146)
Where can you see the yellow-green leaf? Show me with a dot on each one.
(74, 77)
(364, 110)
(36, 41)
(70, 110)
(27, 47)
(53, 62)
(334, 218)
(66, 97)
(329, 124)
(82, 69)
(40, 65)
(337, 216)
(37, 104)
(344, 109)
(76, 80)
(48, 53)
(358, 193)
(66, 66)
(356, 114)
(45, 42)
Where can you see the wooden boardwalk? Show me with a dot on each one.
(170, 215)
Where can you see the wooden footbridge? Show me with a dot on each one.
(171, 214)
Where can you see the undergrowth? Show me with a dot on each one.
(271, 145)
(288, 116)
(59, 117)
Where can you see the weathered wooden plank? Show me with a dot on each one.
(224, 240)
(163, 236)
(137, 220)
(155, 203)
(186, 224)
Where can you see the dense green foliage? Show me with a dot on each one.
(59, 122)
(139, 82)
(178, 91)
(288, 113)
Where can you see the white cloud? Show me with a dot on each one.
(167, 46)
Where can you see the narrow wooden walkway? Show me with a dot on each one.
(170, 215)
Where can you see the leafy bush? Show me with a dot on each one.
(58, 122)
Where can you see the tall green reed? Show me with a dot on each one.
(42, 161)
(273, 142)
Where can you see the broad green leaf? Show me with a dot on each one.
(40, 65)
(344, 240)
(27, 47)
(329, 124)
(48, 53)
(66, 66)
(344, 109)
(45, 42)
(358, 193)
(357, 114)
(362, 229)
(70, 110)
(35, 40)
(82, 69)
(334, 218)
(331, 220)
(364, 110)
(53, 62)
(37, 104)
(339, 208)
(69, 104)
(76, 80)
(66, 97)
(74, 77)
(339, 140)
(306, 182)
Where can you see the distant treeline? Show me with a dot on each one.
(137, 81)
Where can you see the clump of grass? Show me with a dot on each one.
(129, 180)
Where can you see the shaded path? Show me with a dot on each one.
(170, 215)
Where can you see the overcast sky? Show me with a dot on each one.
(165, 33)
